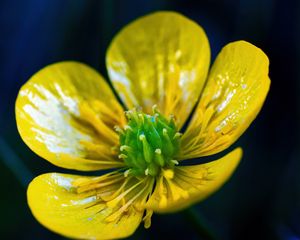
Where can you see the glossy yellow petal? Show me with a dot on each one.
(57, 203)
(235, 92)
(191, 184)
(161, 59)
(66, 113)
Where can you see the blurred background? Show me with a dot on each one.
(261, 200)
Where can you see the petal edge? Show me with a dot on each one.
(56, 206)
(236, 89)
(160, 59)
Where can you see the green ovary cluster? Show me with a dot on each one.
(149, 143)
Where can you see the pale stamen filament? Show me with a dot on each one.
(116, 200)
(117, 214)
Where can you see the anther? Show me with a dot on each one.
(147, 172)
(126, 173)
(126, 148)
(154, 108)
(127, 127)
(128, 113)
(118, 129)
(172, 117)
(175, 161)
(114, 149)
(168, 173)
(177, 135)
(122, 156)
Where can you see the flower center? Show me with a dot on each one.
(148, 143)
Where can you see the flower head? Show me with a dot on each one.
(158, 65)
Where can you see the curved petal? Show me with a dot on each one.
(191, 184)
(235, 92)
(160, 59)
(65, 113)
(56, 203)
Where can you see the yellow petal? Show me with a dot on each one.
(235, 92)
(161, 59)
(65, 113)
(55, 203)
(191, 184)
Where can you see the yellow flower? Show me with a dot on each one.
(158, 65)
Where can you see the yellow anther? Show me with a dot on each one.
(168, 173)
(154, 108)
(163, 202)
(147, 218)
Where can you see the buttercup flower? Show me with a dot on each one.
(158, 65)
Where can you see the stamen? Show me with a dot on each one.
(98, 151)
(147, 218)
(175, 161)
(122, 156)
(118, 213)
(89, 115)
(168, 173)
(86, 184)
(116, 200)
(177, 135)
(162, 193)
(176, 191)
(154, 109)
(126, 148)
(126, 173)
(127, 127)
(118, 129)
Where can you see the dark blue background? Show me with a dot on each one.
(262, 199)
